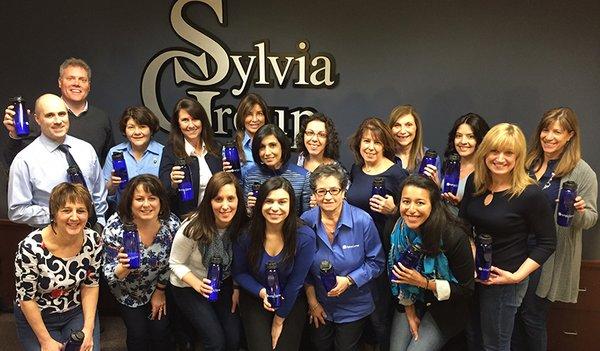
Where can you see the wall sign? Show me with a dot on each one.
(214, 70)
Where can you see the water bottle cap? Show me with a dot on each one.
(326, 265)
(129, 227)
(216, 259)
(430, 153)
(181, 162)
(378, 181)
(17, 99)
(117, 155)
(453, 158)
(256, 186)
(485, 239)
(570, 185)
(271, 265)
(231, 143)
(77, 336)
(73, 169)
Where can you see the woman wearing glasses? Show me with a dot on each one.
(348, 240)
(317, 142)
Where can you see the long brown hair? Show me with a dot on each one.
(416, 147)
(380, 132)
(244, 108)
(196, 111)
(202, 226)
(568, 121)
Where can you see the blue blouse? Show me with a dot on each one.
(148, 164)
(356, 251)
(291, 275)
(137, 287)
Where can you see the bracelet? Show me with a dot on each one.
(426, 284)
(313, 307)
(350, 280)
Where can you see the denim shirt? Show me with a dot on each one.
(357, 252)
(247, 148)
(137, 287)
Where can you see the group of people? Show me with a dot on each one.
(304, 245)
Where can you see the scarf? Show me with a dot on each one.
(220, 246)
(431, 266)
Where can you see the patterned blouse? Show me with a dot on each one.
(137, 287)
(54, 282)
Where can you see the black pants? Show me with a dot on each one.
(258, 321)
(144, 334)
(380, 321)
(338, 336)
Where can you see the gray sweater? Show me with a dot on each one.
(560, 274)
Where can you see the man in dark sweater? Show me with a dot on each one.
(87, 122)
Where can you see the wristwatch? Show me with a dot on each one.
(350, 280)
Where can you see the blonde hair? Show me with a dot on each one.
(502, 137)
(572, 150)
(416, 147)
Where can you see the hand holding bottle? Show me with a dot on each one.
(342, 284)
(251, 201)
(266, 304)
(384, 205)
(431, 171)
(122, 269)
(227, 167)
(408, 276)
(177, 176)
(453, 199)
(203, 287)
(113, 183)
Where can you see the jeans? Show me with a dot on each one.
(258, 321)
(430, 336)
(59, 325)
(219, 329)
(381, 318)
(529, 332)
(144, 334)
(493, 316)
(338, 336)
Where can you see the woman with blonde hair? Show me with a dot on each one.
(502, 201)
(407, 128)
(554, 158)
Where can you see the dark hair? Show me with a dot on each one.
(380, 131)
(329, 170)
(142, 116)
(332, 149)
(258, 223)
(436, 226)
(151, 184)
(67, 192)
(196, 111)
(202, 226)
(477, 124)
(244, 108)
(263, 132)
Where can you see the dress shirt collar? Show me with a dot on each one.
(247, 141)
(153, 147)
(191, 151)
(85, 108)
(52, 145)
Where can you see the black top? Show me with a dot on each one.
(510, 221)
(215, 164)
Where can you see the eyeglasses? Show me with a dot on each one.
(320, 135)
(333, 191)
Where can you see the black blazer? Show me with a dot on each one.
(215, 164)
(450, 315)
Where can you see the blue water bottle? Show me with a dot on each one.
(74, 342)
(230, 152)
(186, 191)
(452, 174)
(21, 117)
(255, 189)
(215, 274)
(131, 244)
(75, 175)
(327, 275)
(409, 258)
(483, 256)
(429, 159)
(566, 201)
(273, 288)
(120, 168)
(378, 187)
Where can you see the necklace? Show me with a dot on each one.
(330, 229)
(547, 185)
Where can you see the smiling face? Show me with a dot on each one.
(328, 202)
(276, 207)
(415, 206)
(71, 218)
(371, 148)
(144, 206)
(224, 205)
(405, 130)
(464, 140)
(553, 139)
(270, 152)
(138, 135)
(315, 138)
(74, 84)
(254, 120)
(500, 162)
(53, 118)
(190, 127)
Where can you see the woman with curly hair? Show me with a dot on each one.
(317, 142)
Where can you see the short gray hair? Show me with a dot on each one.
(329, 170)
(76, 62)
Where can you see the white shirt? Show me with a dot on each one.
(205, 172)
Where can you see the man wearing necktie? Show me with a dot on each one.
(43, 164)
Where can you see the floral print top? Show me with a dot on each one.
(54, 282)
(137, 287)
